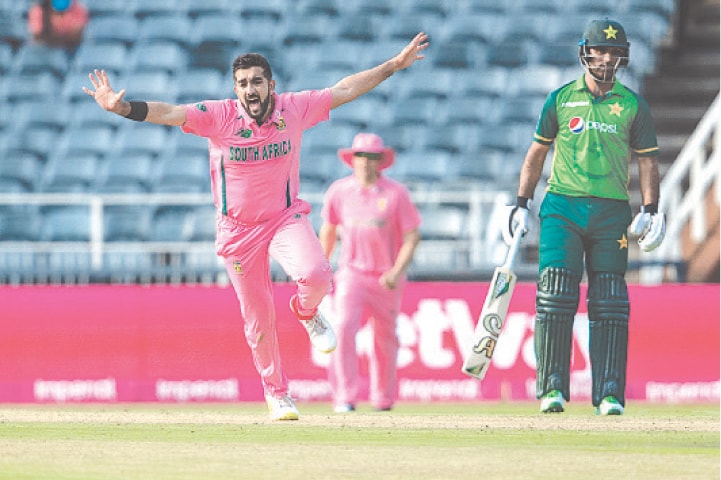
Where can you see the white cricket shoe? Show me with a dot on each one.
(344, 408)
(609, 406)
(281, 408)
(552, 402)
(321, 334)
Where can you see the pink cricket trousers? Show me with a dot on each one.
(355, 295)
(246, 250)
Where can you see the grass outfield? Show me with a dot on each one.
(415, 441)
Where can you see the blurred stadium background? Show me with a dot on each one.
(86, 197)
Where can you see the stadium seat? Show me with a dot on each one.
(183, 172)
(110, 8)
(475, 112)
(172, 224)
(401, 138)
(163, 56)
(39, 140)
(414, 111)
(151, 8)
(21, 223)
(43, 114)
(97, 139)
(436, 83)
(215, 41)
(111, 57)
(33, 59)
(127, 173)
(273, 10)
(42, 86)
(527, 26)
(477, 167)
(187, 142)
(175, 27)
(221, 28)
(546, 78)
(521, 109)
(134, 138)
(197, 9)
(126, 223)
(203, 84)
(204, 224)
(663, 8)
(23, 168)
(87, 113)
(309, 29)
(327, 8)
(13, 29)
(439, 9)
(559, 55)
(357, 28)
(381, 9)
(340, 54)
(6, 58)
(493, 83)
(473, 28)
(444, 138)
(418, 166)
(404, 27)
(360, 114)
(509, 54)
(442, 223)
(118, 29)
(212, 54)
(153, 85)
(444, 243)
(66, 224)
(457, 55)
(71, 173)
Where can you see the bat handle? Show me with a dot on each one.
(513, 250)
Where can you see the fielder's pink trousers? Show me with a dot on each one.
(358, 296)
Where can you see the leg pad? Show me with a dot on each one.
(608, 312)
(556, 304)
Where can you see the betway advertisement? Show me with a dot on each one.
(186, 343)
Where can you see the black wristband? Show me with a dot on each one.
(651, 208)
(138, 111)
(522, 202)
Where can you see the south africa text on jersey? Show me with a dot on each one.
(260, 153)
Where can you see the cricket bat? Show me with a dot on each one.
(493, 314)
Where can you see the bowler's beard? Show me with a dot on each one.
(265, 106)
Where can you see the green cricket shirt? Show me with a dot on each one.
(595, 137)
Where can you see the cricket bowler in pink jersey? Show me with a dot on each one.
(254, 147)
(378, 226)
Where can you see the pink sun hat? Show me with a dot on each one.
(368, 143)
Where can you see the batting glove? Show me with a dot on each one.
(650, 226)
(518, 217)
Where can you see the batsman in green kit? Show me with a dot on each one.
(597, 125)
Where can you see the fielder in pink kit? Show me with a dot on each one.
(378, 226)
(254, 147)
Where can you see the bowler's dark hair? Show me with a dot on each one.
(248, 60)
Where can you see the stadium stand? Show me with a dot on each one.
(461, 120)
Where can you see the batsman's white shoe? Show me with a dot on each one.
(552, 402)
(609, 406)
(281, 408)
(344, 408)
(319, 330)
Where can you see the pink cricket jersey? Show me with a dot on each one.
(371, 221)
(76, 16)
(255, 171)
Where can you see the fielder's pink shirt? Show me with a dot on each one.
(255, 171)
(371, 221)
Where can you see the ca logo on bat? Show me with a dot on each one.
(486, 345)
